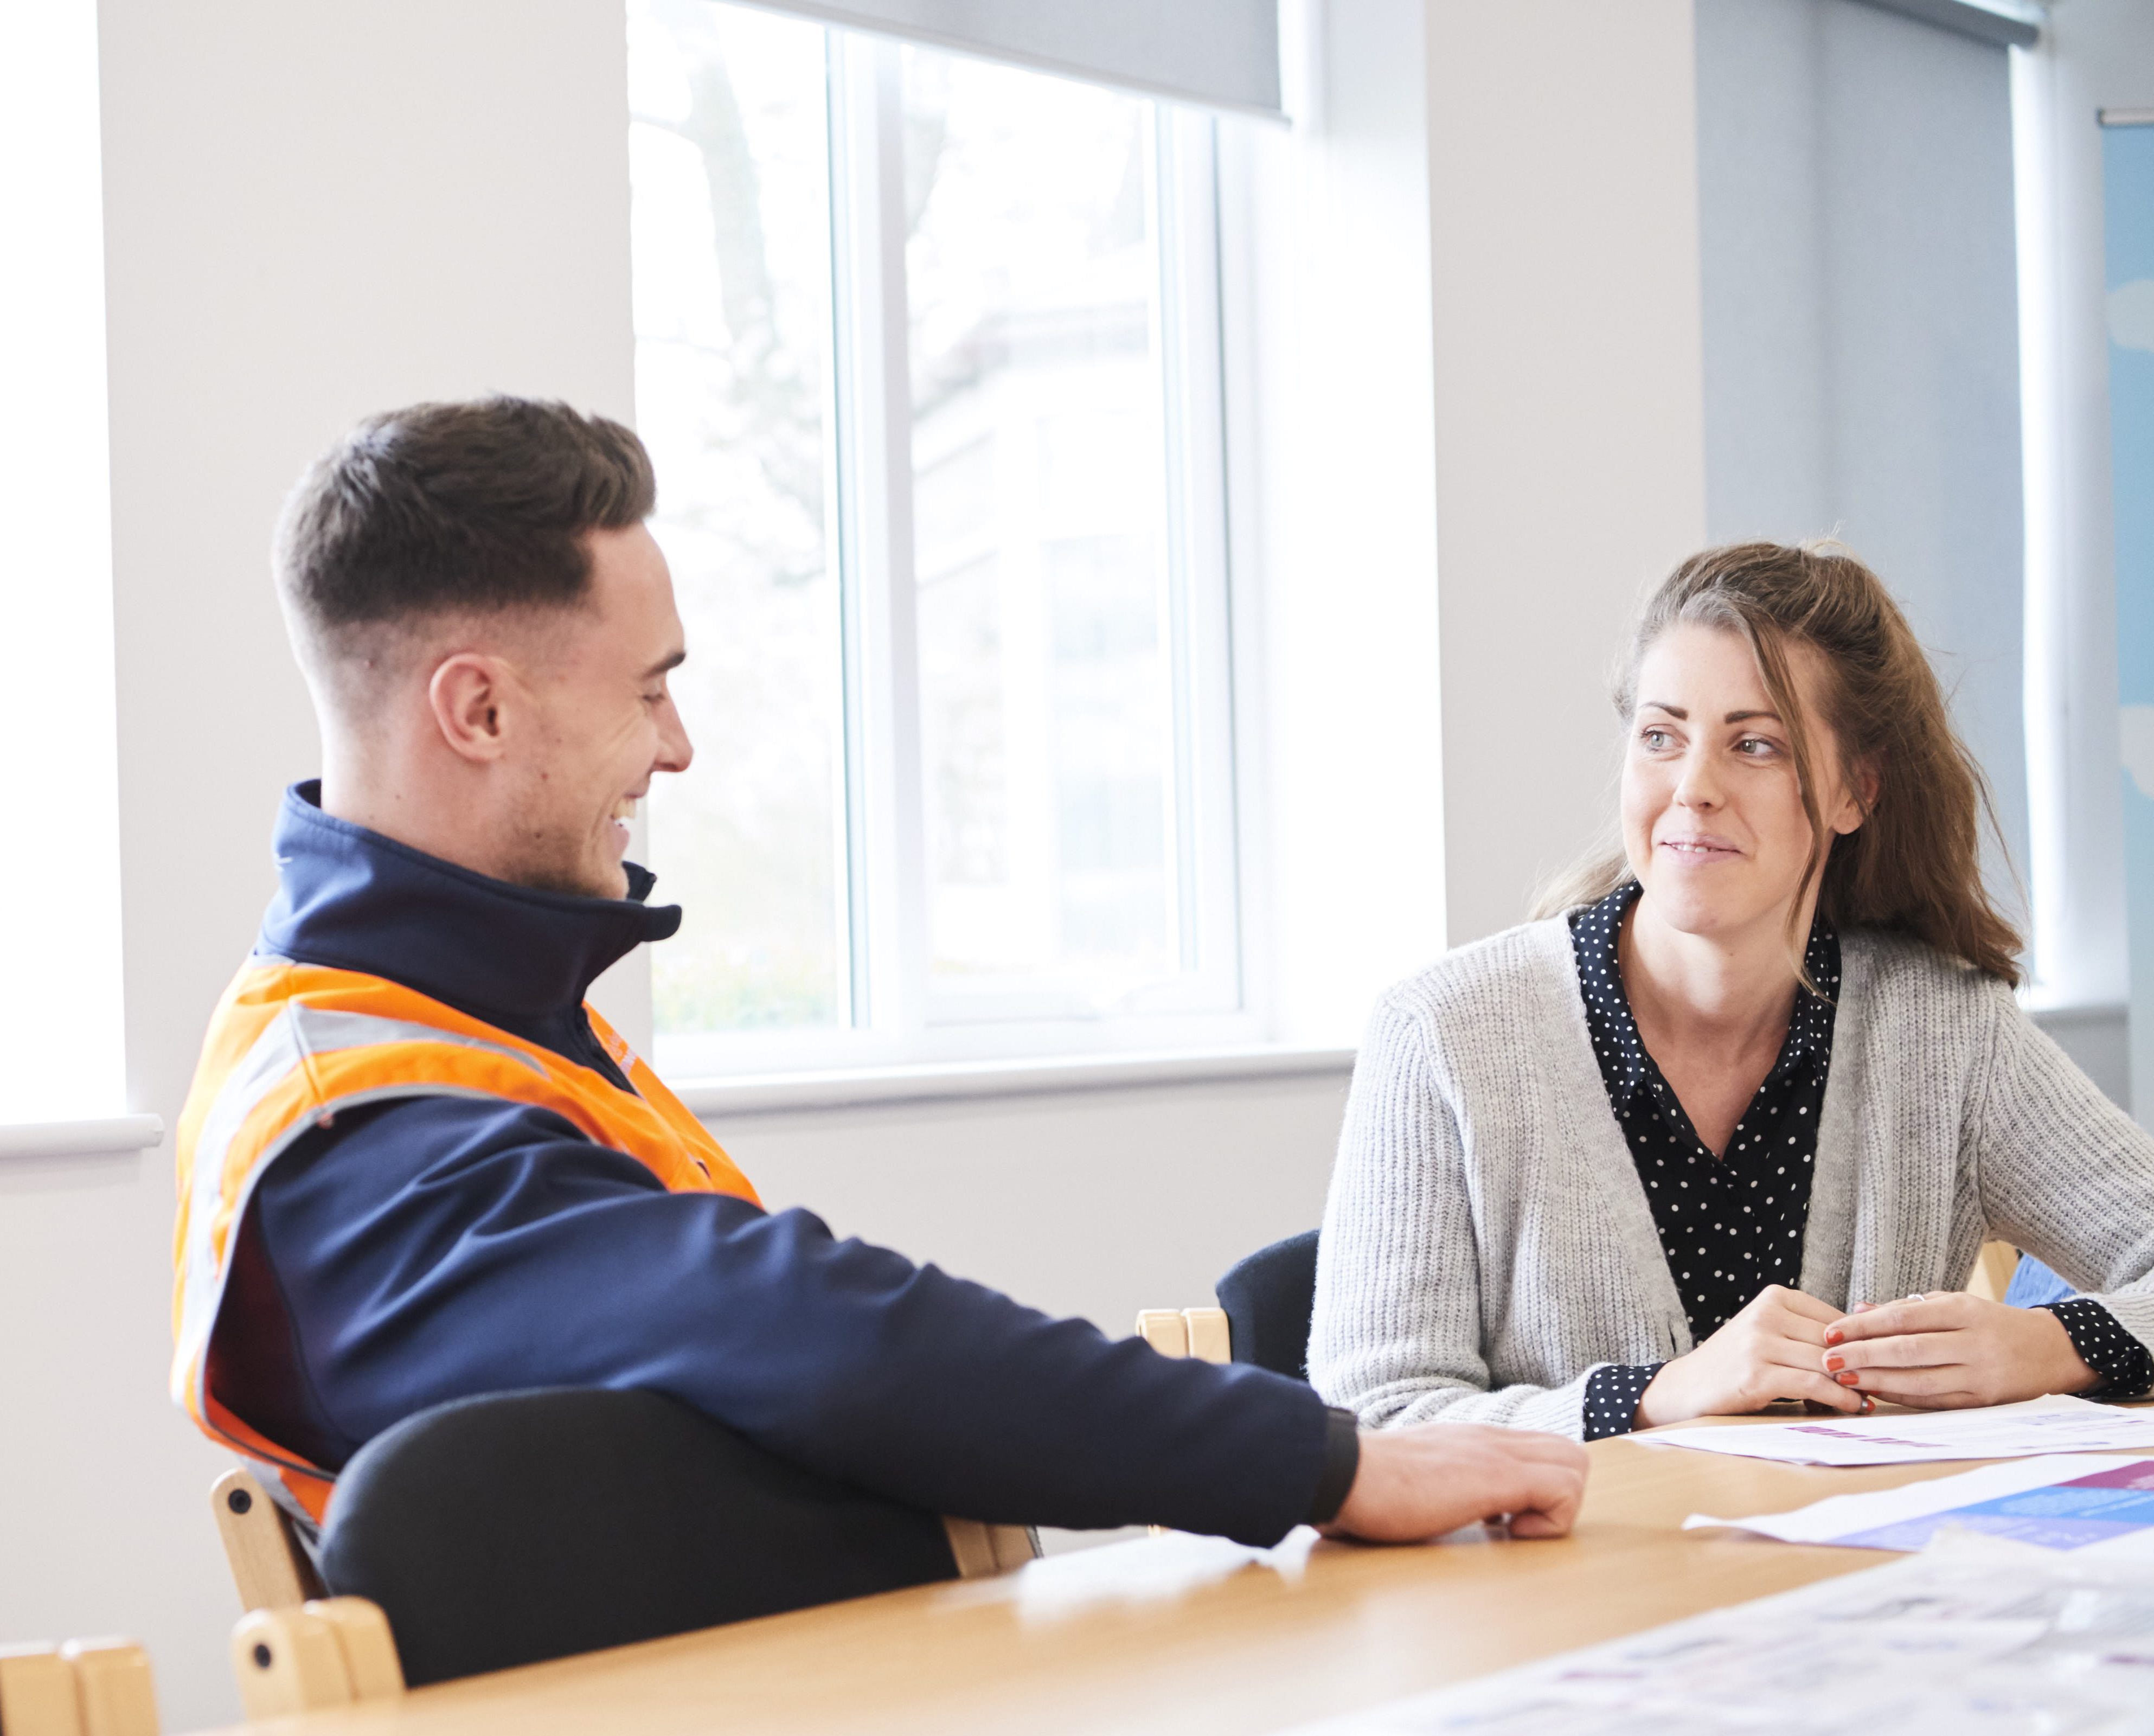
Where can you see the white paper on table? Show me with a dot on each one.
(2058, 1509)
(1953, 1643)
(2036, 1426)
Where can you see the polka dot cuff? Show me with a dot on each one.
(2124, 1365)
(1612, 1392)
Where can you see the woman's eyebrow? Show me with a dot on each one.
(1745, 717)
(1662, 705)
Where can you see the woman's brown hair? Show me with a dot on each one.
(1914, 865)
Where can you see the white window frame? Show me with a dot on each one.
(893, 1015)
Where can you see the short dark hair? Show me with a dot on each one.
(480, 507)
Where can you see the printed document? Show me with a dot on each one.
(2062, 1501)
(2021, 1431)
(1954, 1642)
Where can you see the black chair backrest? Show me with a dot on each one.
(1268, 1298)
(503, 1530)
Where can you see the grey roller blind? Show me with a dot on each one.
(1862, 326)
(1222, 54)
(2005, 26)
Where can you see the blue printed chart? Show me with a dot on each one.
(2059, 1501)
(2128, 210)
(2098, 1508)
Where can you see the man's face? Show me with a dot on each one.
(602, 722)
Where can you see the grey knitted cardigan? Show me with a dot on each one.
(1488, 1243)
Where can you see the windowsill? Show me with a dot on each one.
(944, 1082)
(101, 1137)
(2045, 1012)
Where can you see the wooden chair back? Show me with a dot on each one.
(297, 1649)
(1993, 1267)
(269, 1564)
(86, 1687)
(1199, 1332)
(982, 1550)
(323, 1653)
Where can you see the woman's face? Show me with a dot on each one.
(1712, 820)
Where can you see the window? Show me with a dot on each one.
(58, 776)
(928, 358)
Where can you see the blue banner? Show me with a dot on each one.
(2128, 201)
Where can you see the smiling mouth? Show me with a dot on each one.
(1698, 849)
(623, 811)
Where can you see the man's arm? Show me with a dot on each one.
(433, 1247)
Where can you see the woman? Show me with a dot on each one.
(1731, 1126)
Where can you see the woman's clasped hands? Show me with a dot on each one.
(1943, 1350)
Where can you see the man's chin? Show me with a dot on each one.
(608, 880)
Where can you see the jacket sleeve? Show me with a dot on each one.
(436, 1247)
(1397, 1330)
(2064, 1173)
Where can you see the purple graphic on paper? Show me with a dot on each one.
(2070, 1515)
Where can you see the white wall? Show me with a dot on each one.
(1568, 405)
(1092, 1203)
(1478, 372)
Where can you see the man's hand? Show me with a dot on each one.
(1773, 1350)
(1427, 1478)
(1948, 1350)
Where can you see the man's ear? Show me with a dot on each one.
(467, 693)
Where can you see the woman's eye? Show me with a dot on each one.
(1754, 746)
(1653, 738)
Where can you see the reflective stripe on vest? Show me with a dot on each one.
(293, 1046)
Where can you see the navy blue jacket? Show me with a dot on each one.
(433, 1247)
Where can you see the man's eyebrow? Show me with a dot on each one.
(674, 662)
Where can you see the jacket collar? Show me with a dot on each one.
(352, 899)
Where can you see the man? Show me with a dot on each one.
(415, 1167)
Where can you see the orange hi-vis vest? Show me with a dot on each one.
(290, 1047)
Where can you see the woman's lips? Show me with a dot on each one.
(1699, 851)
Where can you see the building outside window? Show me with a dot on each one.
(928, 358)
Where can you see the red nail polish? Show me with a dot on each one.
(1833, 1334)
(1848, 1379)
(1835, 1362)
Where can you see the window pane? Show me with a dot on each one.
(60, 1029)
(730, 173)
(1040, 530)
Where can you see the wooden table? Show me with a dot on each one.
(1179, 1634)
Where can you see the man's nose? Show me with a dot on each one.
(675, 750)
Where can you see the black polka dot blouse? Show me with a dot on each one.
(1733, 1223)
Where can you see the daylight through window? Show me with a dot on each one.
(926, 356)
